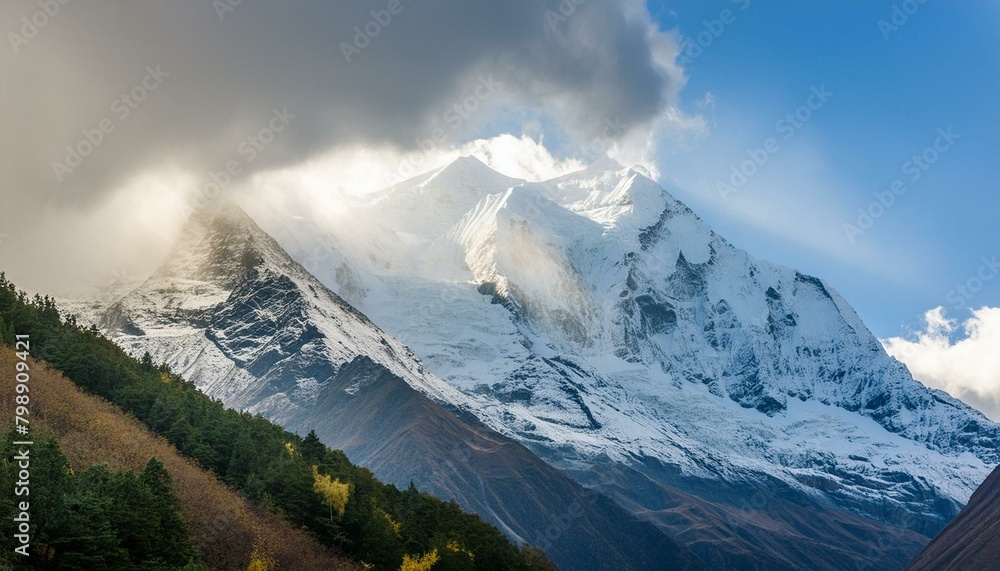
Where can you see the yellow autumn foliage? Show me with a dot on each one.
(455, 547)
(422, 563)
(335, 493)
(259, 560)
(290, 449)
(393, 523)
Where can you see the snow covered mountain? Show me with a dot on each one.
(740, 406)
(233, 313)
(598, 321)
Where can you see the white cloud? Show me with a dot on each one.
(968, 368)
(520, 157)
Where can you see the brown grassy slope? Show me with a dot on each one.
(970, 541)
(221, 523)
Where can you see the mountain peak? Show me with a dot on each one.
(605, 163)
(468, 171)
(424, 205)
(217, 244)
(218, 207)
(468, 161)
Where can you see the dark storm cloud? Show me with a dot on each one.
(220, 78)
(73, 71)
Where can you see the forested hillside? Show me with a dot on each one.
(86, 524)
(93, 518)
(318, 489)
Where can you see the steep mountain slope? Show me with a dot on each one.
(968, 542)
(223, 525)
(597, 320)
(238, 317)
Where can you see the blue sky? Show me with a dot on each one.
(892, 90)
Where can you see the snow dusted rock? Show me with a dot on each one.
(255, 312)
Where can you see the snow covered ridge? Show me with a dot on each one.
(594, 316)
(231, 311)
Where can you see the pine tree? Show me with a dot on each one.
(183, 436)
(147, 362)
(312, 449)
(6, 333)
(83, 538)
(243, 460)
(165, 513)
